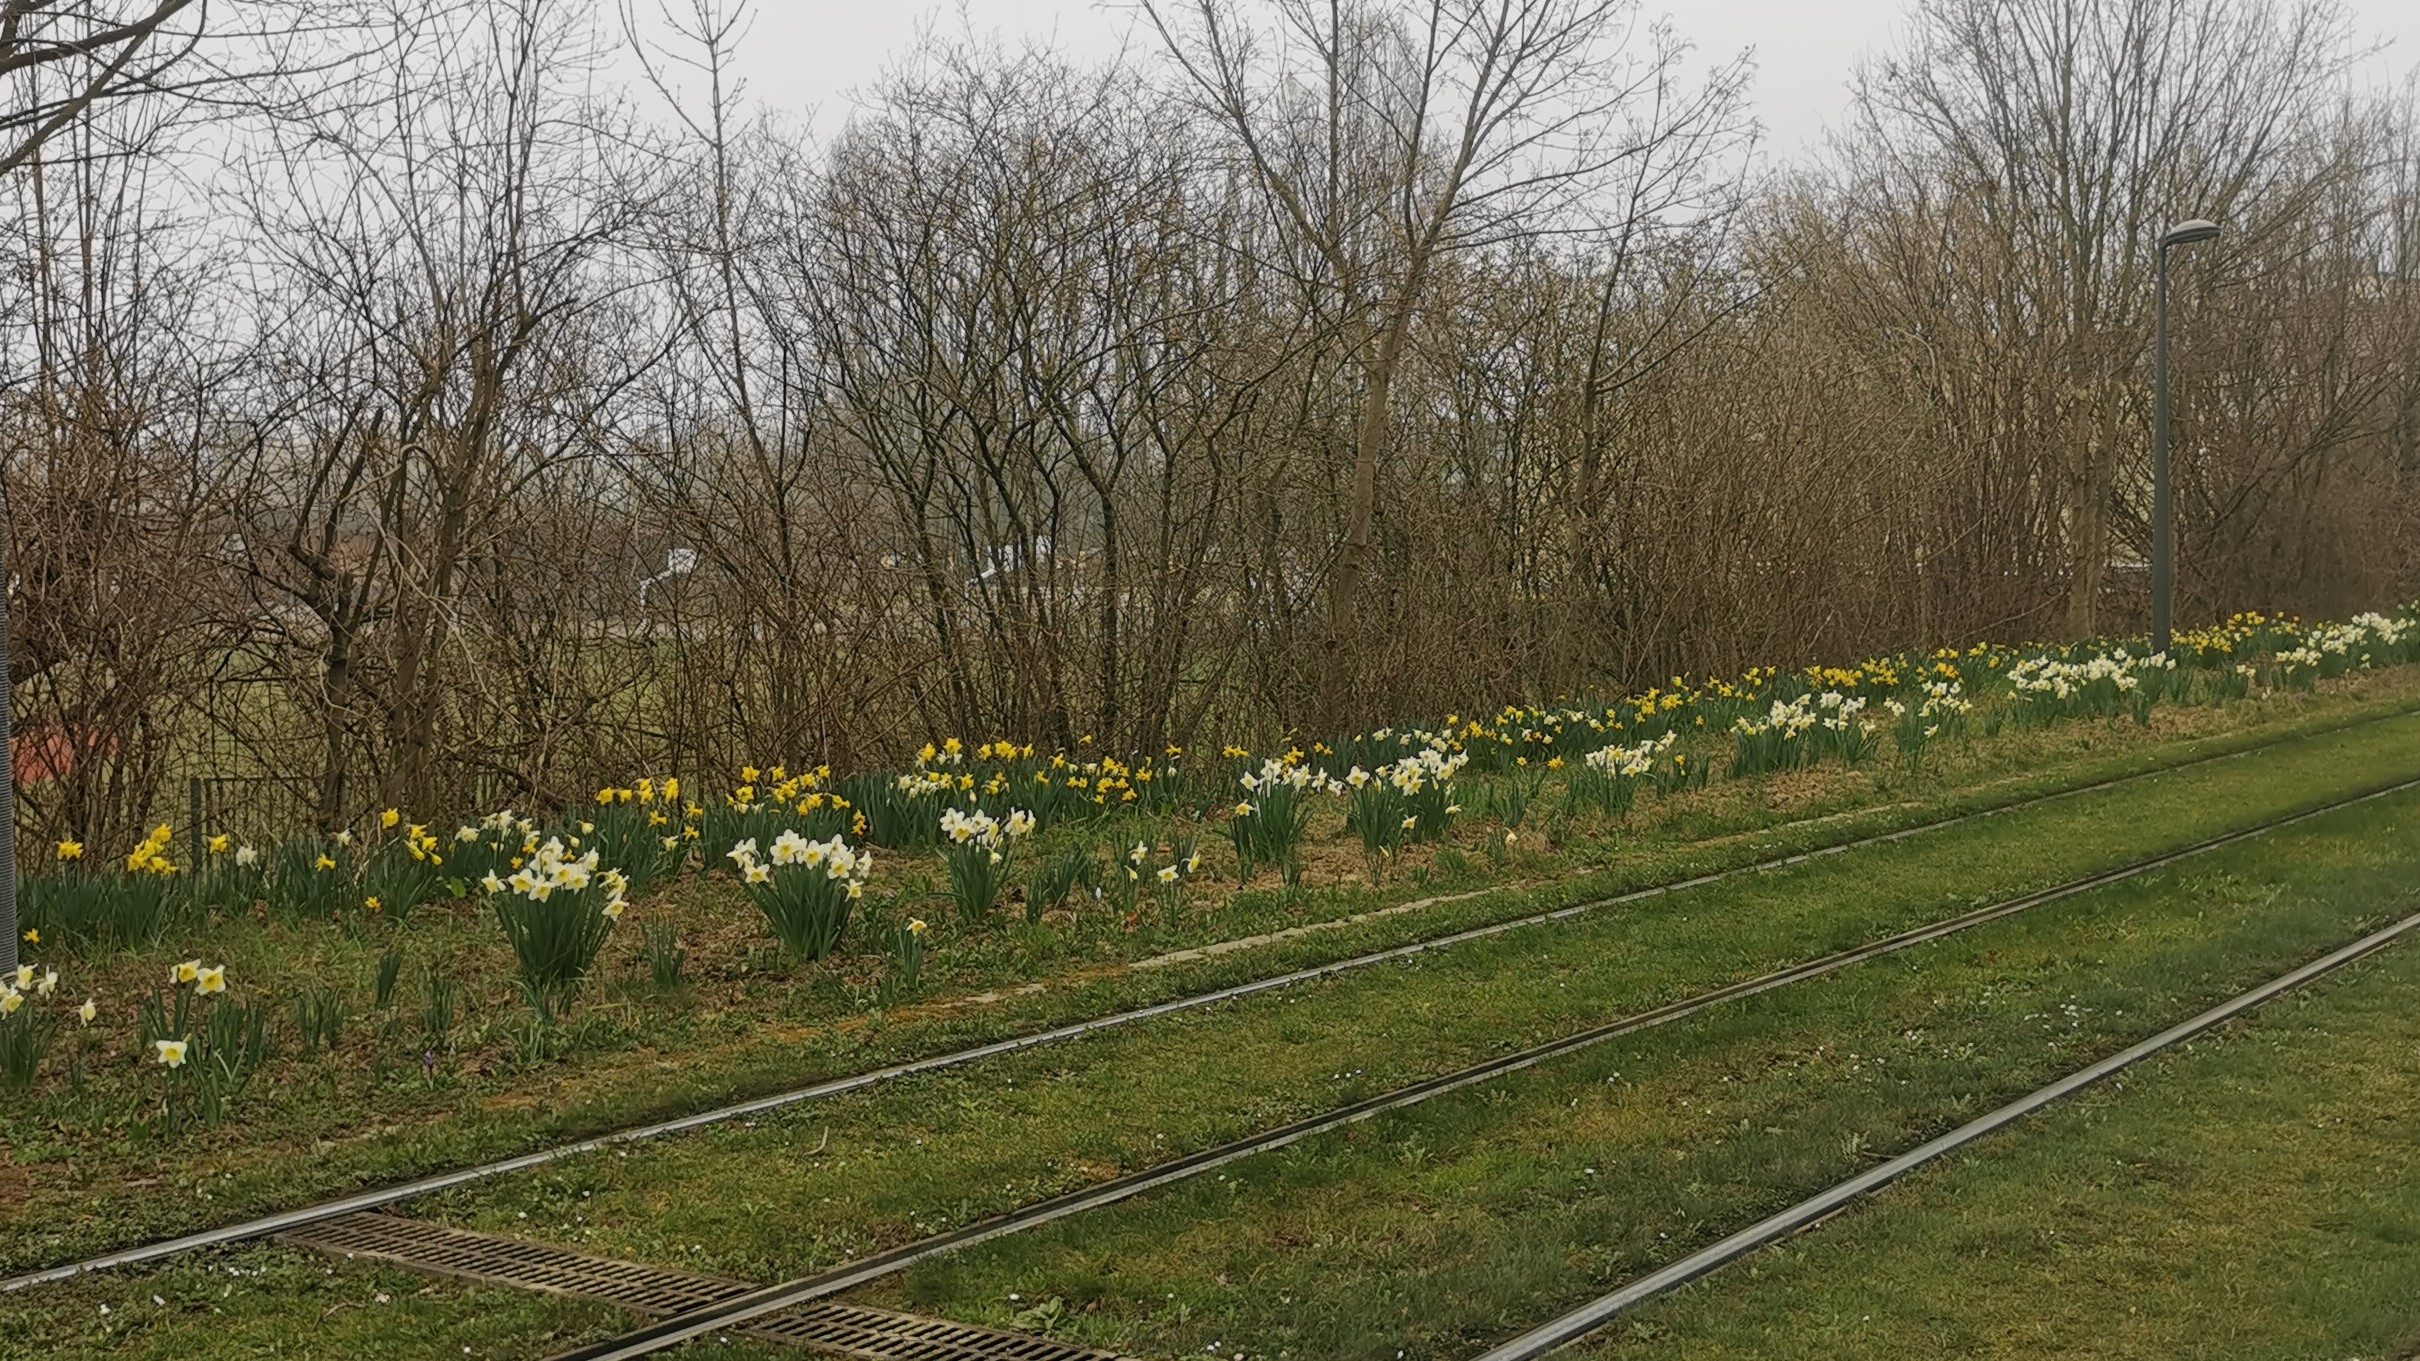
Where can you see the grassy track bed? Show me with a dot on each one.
(806, 1189)
(2246, 1198)
(79, 1200)
(1440, 1230)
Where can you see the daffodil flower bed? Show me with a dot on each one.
(1106, 853)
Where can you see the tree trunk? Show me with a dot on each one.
(1340, 648)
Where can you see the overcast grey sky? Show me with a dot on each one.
(809, 54)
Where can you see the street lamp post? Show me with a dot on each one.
(2163, 497)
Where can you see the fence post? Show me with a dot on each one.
(193, 804)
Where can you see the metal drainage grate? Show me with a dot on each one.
(827, 1326)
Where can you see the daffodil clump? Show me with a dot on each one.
(1938, 714)
(208, 1042)
(556, 908)
(806, 889)
(980, 849)
(30, 1022)
(2100, 685)
(404, 864)
(645, 829)
(1145, 867)
(1275, 811)
(83, 905)
(907, 953)
(1608, 779)
(770, 801)
(998, 777)
(1405, 800)
(2327, 651)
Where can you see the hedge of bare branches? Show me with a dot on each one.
(516, 409)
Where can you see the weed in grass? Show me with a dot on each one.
(660, 942)
(319, 1019)
(437, 1010)
(382, 983)
(1058, 878)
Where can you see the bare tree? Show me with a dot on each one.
(1389, 138)
(2072, 132)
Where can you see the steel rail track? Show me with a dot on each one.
(666, 1333)
(380, 1197)
(1580, 1322)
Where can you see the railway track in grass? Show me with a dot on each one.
(381, 1197)
(1589, 1318)
(747, 1309)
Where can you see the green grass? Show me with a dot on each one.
(1444, 1227)
(2250, 1197)
(1441, 1230)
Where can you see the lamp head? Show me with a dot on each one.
(2186, 233)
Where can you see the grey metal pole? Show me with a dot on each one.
(8, 784)
(2163, 547)
(2163, 495)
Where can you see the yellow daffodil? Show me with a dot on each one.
(390, 817)
(33, 937)
(219, 844)
(71, 850)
